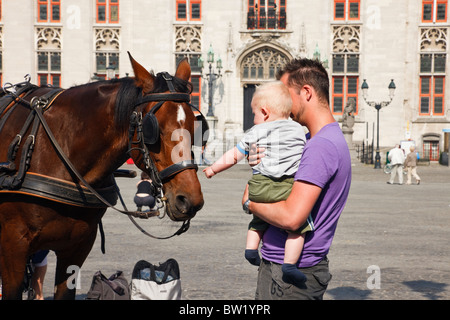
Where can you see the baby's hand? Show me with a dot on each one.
(209, 172)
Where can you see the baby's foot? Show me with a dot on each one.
(292, 275)
(252, 256)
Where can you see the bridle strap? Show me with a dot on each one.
(177, 168)
(130, 214)
(161, 98)
(174, 96)
(38, 110)
(159, 178)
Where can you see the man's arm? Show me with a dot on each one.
(292, 213)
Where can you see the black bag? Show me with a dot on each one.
(114, 288)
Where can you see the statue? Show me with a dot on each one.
(348, 121)
(348, 118)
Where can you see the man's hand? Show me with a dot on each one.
(245, 196)
(255, 155)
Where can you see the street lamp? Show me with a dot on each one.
(211, 76)
(378, 106)
(110, 72)
(95, 77)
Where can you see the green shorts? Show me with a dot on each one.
(268, 190)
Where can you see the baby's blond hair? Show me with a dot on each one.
(274, 96)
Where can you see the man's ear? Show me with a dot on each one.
(308, 91)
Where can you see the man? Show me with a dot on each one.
(321, 188)
(396, 157)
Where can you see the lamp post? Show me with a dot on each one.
(110, 72)
(95, 77)
(211, 76)
(378, 106)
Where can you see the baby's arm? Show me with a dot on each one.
(228, 159)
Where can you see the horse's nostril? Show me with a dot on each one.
(183, 204)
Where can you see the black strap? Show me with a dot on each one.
(176, 168)
(130, 214)
(13, 182)
(163, 97)
(77, 174)
(184, 227)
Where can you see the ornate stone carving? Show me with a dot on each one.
(433, 39)
(188, 38)
(48, 38)
(262, 64)
(107, 39)
(346, 38)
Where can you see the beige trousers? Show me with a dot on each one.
(412, 171)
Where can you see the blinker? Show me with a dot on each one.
(150, 128)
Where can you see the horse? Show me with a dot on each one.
(75, 142)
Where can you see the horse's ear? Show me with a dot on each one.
(143, 78)
(183, 70)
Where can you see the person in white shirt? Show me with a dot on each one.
(396, 158)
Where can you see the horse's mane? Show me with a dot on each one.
(128, 95)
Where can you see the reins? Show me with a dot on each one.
(39, 104)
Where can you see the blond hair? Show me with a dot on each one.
(275, 96)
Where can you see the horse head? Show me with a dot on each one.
(168, 127)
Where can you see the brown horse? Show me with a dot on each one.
(91, 126)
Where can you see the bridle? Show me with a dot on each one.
(138, 123)
(40, 104)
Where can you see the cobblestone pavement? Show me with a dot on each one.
(392, 241)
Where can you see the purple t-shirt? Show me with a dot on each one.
(326, 163)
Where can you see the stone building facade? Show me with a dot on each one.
(70, 42)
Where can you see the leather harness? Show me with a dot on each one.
(70, 193)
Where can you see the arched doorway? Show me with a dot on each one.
(257, 66)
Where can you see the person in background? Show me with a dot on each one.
(396, 158)
(411, 165)
(39, 261)
(144, 194)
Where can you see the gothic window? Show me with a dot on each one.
(347, 10)
(107, 49)
(188, 44)
(434, 11)
(48, 55)
(49, 10)
(188, 10)
(432, 70)
(262, 64)
(345, 67)
(266, 14)
(107, 11)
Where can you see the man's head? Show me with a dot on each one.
(302, 72)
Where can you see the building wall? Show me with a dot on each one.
(390, 34)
